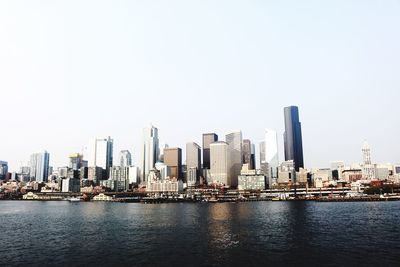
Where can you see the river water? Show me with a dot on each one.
(200, 234)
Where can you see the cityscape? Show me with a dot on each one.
(219, 170)
(199, 133)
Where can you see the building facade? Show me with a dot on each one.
(100, 153)
(235, 142)
(219, 157)
(193, 163)
(293, 137)
(39, 170)
(173, 159)
(125, 158)
(150, 152)
(208, 139)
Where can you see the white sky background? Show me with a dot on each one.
(72, 70)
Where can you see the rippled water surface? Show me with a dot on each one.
(228, 234)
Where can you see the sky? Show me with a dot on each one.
(76, 69)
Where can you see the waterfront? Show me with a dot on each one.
(184, 234)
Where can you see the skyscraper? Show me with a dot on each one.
(208, 139)
(173, 159)
(3, 169)
(219, 157)
(75, 161)
(150, 152)
(368, 169)
(125, 158)
(40, 166)
(101, 153)
(271, 153)
(193, 161)
(293, 137)
(234, 141)
(248, 154)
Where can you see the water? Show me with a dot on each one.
(226, 234)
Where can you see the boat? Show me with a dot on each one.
(74, 199)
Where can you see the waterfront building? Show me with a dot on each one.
(30, 196)
(39, 169)
(193, 163)
(166, 186)
(286, 172)
(234, 141)
(208, 139)
(219, 157)
(125, 158)
(100, 153)
(173, 159)
(102, 197)
(150, 152)
(368, 169)
(249, 179)
(293, 137)
(3, 169)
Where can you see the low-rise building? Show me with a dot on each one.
(30, 196)
(102, 197)
(166, 186)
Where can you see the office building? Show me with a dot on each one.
(208, 139)
(193, 163)
(248, 154)
(293, 137)
(368, 168)
(39, 170)
(101, 154)
(269, 156)
(150, 152)
(250, 179)
(133, 175)
(76, 161)
(125, 158)
(219, 157)
(3, 169)
(234, 141)
(173, 159)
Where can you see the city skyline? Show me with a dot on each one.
(340, 72)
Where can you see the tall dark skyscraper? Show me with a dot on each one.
(248, 154)
(293, 138)
(208, 139)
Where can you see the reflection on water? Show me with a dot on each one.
(220, 234)
(223, 234)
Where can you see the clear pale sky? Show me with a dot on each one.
(72, 70)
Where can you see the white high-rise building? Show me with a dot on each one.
(40, 166)
(193, 162)
(100, 153)
(269, 156)
(234, 141)
(125, 158)
(368, 168)
(150, 152)
(219, 161)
